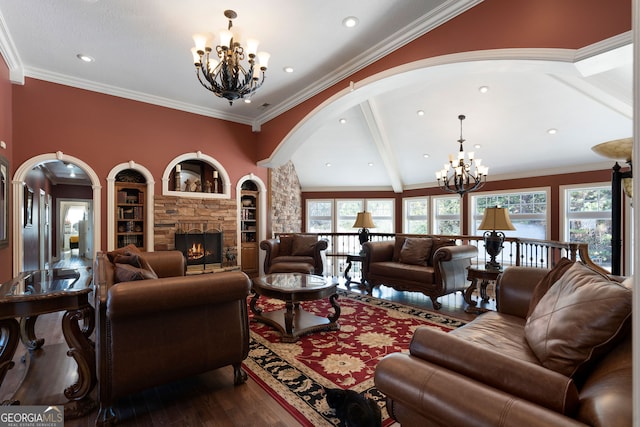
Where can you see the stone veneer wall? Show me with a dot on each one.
(286, 200)
(171, 212)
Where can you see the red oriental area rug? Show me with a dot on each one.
(296, 374)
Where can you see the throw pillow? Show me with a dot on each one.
(399, 243)
(286, 244)
(303, 245)
(547, 281)
(577, 320)
(130, 255)
(129, 273)
(416, 251)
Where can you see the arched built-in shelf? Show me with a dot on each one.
(207, 163)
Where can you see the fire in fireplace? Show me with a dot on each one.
(200, 247)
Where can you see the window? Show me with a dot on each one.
(527, 210)
(319, 216)
(415, 213)
(587, 219)
(347, 211)
(382, 214)
(447, 215)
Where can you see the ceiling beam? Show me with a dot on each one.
(379, 137)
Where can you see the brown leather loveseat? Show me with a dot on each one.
(556, 353)
(430, 265)
(156, 325)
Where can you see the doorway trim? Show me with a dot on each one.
(18, 184)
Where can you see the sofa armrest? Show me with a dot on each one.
(271, 248)
(516, 377)
(379, 251)
(167, 263)
(448, 398)
(450, 266)
(139, 298)
(514, 289)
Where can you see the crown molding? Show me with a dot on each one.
(10, 54)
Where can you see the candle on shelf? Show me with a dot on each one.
(215, 174)
(215, 181)
(178, 168)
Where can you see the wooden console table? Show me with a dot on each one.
(34, 293)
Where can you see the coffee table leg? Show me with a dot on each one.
(252, 304)
(288, 318)
(333, 299)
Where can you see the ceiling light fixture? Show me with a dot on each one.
(483, 89)
(222, 73)
(459, 177)
(288, 69)
(420, 113)
(552, 131)
(342, 121)
(85, 58)
(350, 21)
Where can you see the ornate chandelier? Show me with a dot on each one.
(462, 176)
(222, 72)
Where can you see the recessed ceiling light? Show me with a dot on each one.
(350, 21)
(552, 131)
(343, 121)
(483, 89)
(288, 69)
(328, 165)
(370, 164)
(425, 155)
(85, 58)
(420, 113)
(477, 146)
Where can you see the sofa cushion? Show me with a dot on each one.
(578, 319)
(397, 247)
(416, 251)
(303, 245)
(549, 279)
(402, 272)
(286, 243)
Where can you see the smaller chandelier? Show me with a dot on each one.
(463, 175)
(222, 72)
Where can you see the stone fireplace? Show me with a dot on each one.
(200, 246)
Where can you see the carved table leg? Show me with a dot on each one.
(82, 349)
(288, 318)
(346, 272)
(9, 333)
(252, 305)
(469, 291)
(333, 299)
(28, 334)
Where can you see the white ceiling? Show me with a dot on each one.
(142, 52)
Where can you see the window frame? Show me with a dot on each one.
(405, 213)
(434, 214)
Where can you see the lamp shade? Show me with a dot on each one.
(496, 219)
(364, 220)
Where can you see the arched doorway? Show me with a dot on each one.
(20, 198)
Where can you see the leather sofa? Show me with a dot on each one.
(432, 266)
(557, 352)
(161, 325)
(294, 253)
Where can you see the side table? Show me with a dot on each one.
(351, 258)
(480, 273)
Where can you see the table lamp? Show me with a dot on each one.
(364, 222)
(495, 219)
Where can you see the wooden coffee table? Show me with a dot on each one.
(292, 288)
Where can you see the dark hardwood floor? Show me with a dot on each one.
(209, 399)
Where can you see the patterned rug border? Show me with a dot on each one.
(267, 367)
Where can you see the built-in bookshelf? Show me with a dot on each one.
(130, 214)
(249, 211)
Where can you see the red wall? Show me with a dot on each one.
(6, 136)
(104, 130)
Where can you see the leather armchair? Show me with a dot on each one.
(154, 331)
(294, 253)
